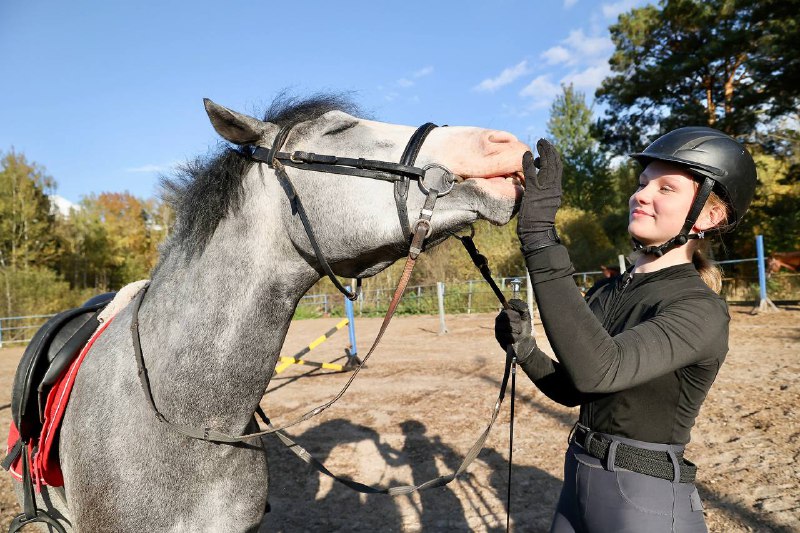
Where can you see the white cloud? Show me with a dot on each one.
(149, 168)
(586, 46)
(588, 78)
(408, 81)
(541, 90)
(507, 76)
(557, 54)
(569, 3)
(423, 72)
(612, 11)
(62, 205)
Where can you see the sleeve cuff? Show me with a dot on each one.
(538, 365)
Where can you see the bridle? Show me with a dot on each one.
(421, 229)
(400, 173)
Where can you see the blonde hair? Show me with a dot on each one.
(709, 272)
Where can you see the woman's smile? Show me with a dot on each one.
(661, 202)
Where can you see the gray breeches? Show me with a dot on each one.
(596, 499)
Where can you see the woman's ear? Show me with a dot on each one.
(712, 216)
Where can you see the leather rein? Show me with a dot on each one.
(401, 174)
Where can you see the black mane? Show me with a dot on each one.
(205, 191)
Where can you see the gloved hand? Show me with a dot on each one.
(542, 198)
(512, 327)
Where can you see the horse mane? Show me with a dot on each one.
(209, 188)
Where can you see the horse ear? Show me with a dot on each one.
(236, 127)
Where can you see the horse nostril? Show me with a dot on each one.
(497, 137)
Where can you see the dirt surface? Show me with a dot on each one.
(424, 398)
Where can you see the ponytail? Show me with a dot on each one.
(709, 272)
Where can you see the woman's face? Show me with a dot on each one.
(660, 204)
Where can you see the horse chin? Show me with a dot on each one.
(495, 206)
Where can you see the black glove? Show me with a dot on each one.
(537, 214)
(512, 327)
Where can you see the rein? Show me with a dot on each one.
(509, 370)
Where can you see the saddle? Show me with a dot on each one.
(54, 346)
(50, 353)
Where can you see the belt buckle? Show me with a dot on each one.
(581, 435)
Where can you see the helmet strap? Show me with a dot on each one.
(684, 236)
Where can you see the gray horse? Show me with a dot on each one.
(219, 306)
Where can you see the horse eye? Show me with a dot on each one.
(339, 128)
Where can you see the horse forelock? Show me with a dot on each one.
(204, 191)
(287, 110)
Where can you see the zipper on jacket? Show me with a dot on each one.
(627, 277)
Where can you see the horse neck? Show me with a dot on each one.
(212, 325)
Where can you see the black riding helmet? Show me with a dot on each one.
(719, 162)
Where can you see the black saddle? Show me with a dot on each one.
(51, 351)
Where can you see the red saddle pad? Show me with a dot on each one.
(44, 464)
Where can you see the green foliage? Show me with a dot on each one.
(26, 225)
(582, 233)
(586, 179)
(594, 218)
(774, 213)
(36, 290)
(692, 62)
(110, 241)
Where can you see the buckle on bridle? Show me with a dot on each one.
(446, 177)
(427, 223)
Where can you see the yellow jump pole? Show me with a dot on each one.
(286, 362)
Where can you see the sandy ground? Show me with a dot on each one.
(424, 398)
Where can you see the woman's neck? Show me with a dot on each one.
(677, 256)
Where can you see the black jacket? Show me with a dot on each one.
(640, 357)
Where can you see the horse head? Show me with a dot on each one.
(356, 219)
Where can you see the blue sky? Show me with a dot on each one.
(108, 95)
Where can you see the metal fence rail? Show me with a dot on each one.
(12, 334)
(471, 296)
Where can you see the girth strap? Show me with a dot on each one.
(30, 513)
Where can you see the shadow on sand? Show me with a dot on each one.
(298, 504)
(301, 503)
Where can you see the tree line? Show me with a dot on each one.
(729, 64)
(50, 261)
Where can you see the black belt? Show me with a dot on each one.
(654, 463)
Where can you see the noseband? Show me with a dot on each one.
(400, 173)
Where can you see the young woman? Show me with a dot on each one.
(641, 351)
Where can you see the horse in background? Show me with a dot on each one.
(779, 260)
